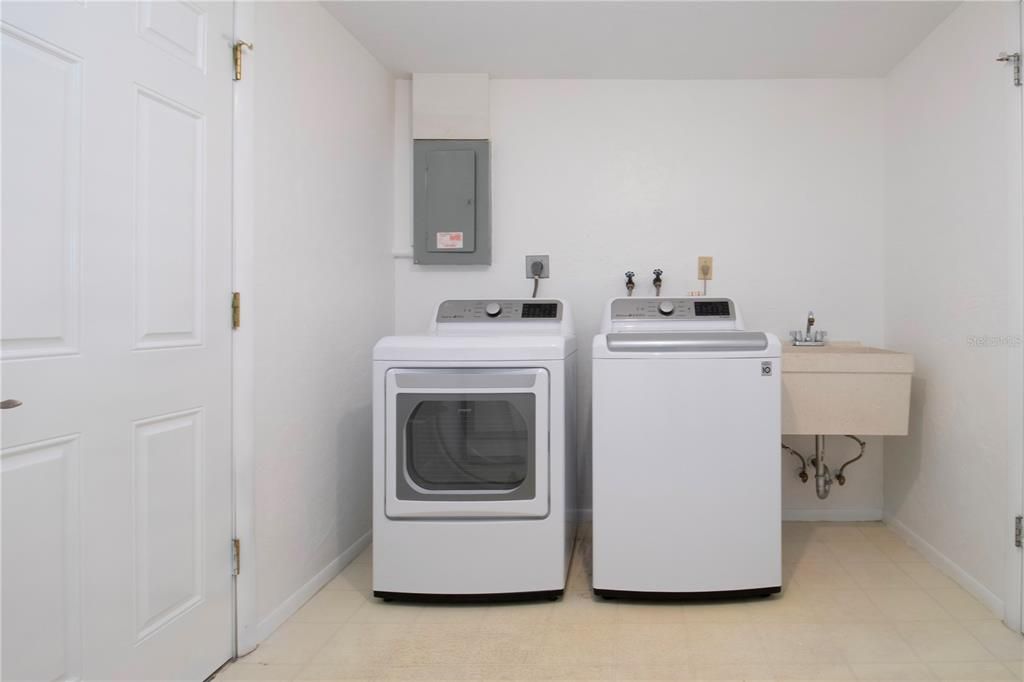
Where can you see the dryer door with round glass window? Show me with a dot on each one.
(467, 443)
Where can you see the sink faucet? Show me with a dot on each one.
(808, 337)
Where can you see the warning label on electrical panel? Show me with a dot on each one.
(449, 240)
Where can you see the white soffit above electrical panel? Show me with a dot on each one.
(639, 39)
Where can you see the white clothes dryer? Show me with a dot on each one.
(474, 460)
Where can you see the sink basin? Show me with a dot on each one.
(845, 387)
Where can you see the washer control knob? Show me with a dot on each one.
(493, 309)
(666, 307)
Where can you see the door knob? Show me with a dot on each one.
(9, 404)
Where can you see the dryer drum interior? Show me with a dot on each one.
(478, 443)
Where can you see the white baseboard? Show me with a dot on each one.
(947, 566)
(300, 596)
(835, 515)
(587, 515)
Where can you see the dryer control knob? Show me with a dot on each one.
(666, 307)
(493, 309)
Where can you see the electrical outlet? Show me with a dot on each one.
(530, 260)
(705, 270)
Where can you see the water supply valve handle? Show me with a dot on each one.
(815, 338)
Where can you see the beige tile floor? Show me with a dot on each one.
(858, 604)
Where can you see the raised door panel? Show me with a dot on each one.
(167, 505)
(178, 28)
(169, 201)
(41, 617)
(41, 130)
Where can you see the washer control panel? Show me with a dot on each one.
(500, 310)
(673, 309)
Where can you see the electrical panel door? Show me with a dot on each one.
(451, 202)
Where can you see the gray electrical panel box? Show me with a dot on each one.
(452, 202)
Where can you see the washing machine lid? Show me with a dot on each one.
(686, 344)
(474, 348)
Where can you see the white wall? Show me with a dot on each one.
(324, 293)
(780, 181)
(952, 271)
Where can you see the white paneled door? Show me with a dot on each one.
(116, 331)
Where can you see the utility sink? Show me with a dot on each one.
(845, 388)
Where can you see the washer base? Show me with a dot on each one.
(720, 594)
(468, 598)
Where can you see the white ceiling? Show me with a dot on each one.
(639, 39)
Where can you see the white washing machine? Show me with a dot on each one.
(686, 432)
(474, 459)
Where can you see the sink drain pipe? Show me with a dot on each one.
(822, 473)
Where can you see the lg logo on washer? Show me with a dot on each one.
(766, 369)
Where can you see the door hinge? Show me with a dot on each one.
(1018, 531)
(236, 556)
(236, 51)
(236, 310)
(1014, 59)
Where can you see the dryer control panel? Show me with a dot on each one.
(672, 309)
(499, 310)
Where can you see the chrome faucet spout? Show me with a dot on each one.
(810, 323)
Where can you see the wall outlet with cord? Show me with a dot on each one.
(532, 265)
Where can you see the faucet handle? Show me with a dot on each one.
(796, 335)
